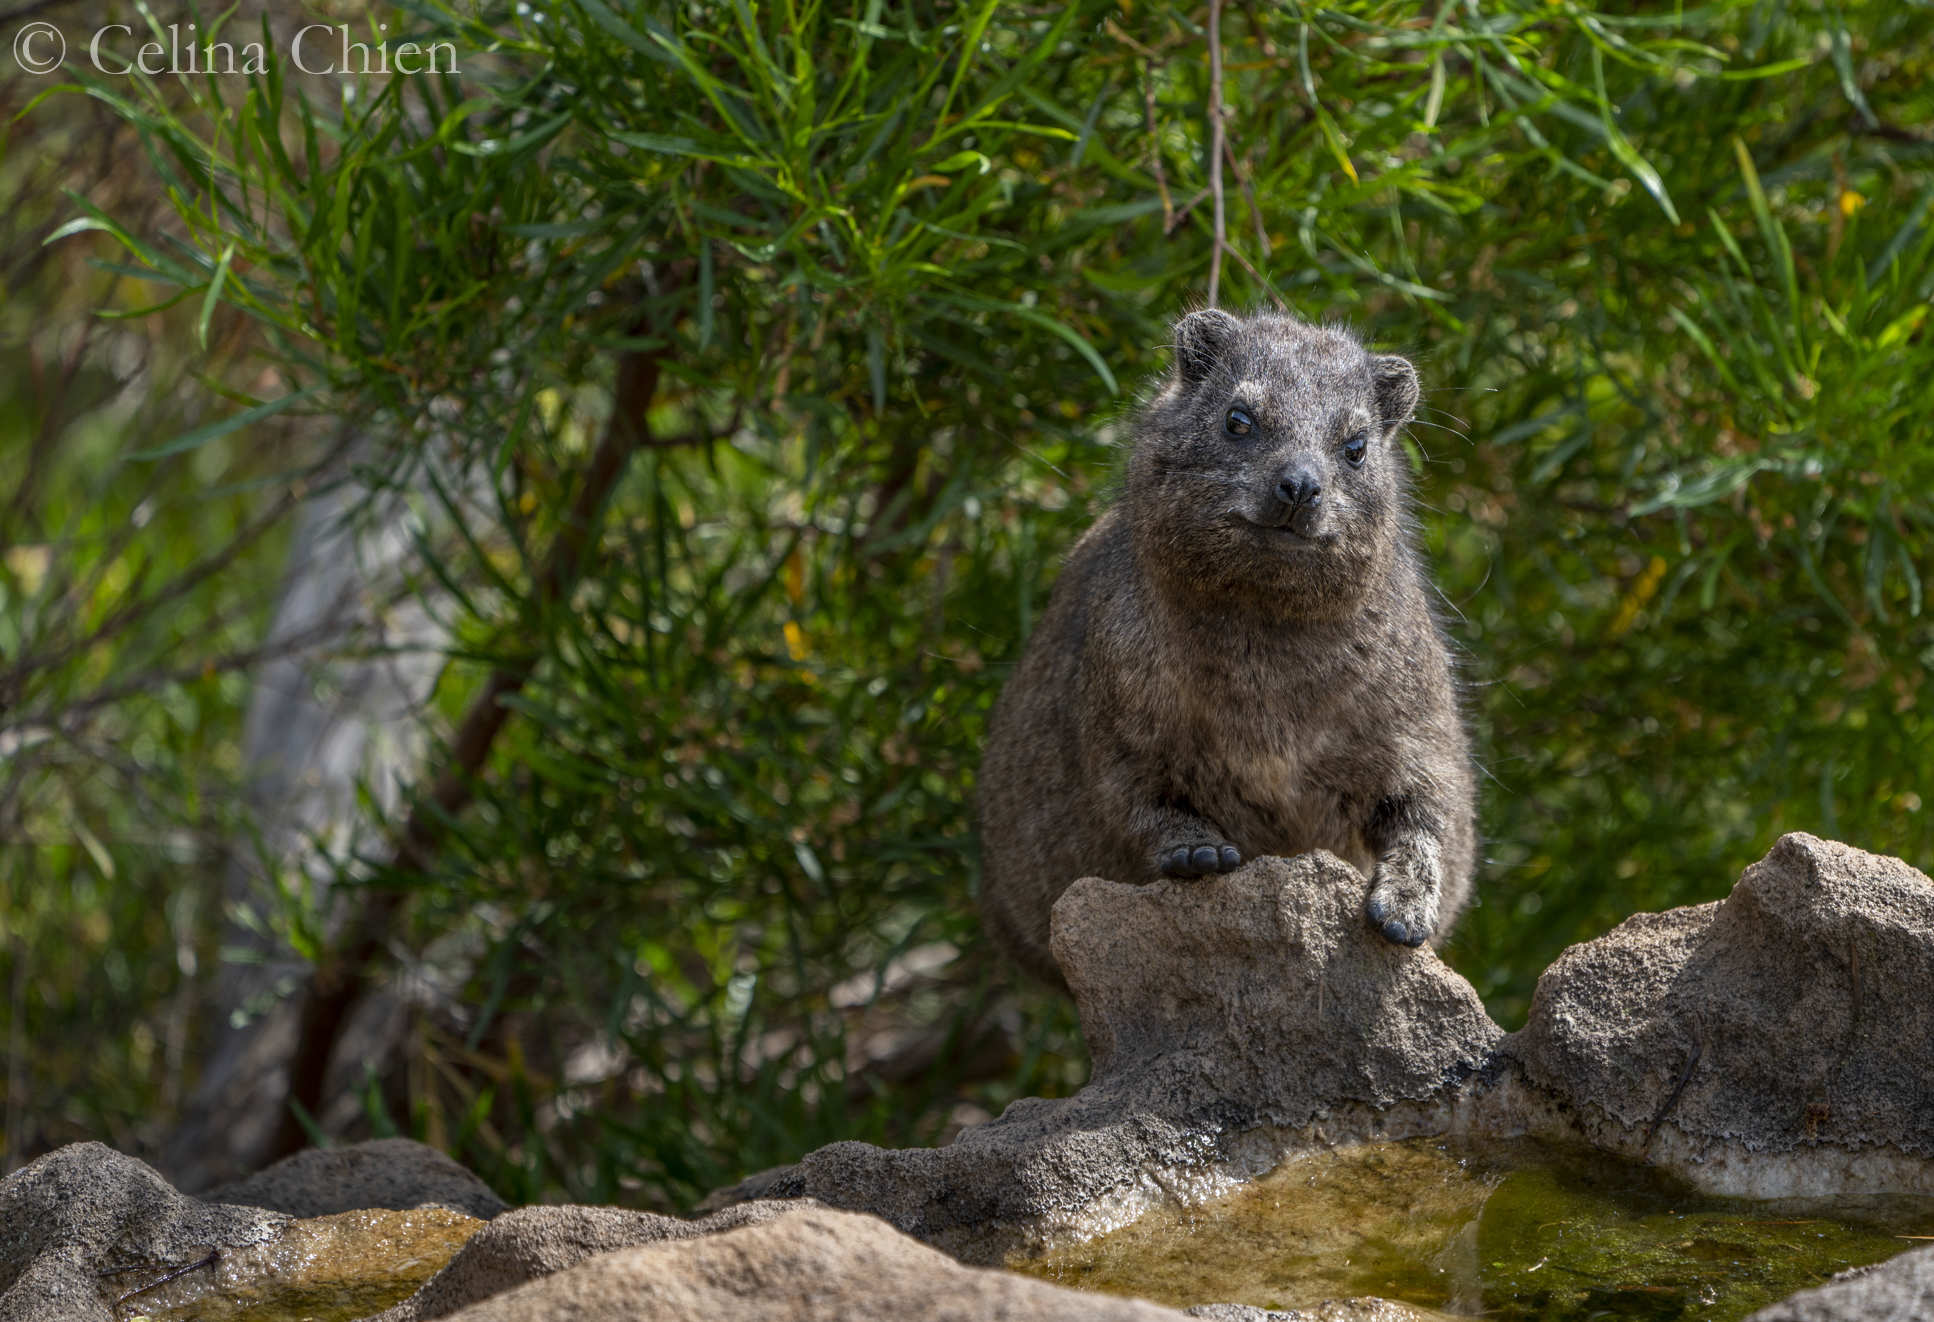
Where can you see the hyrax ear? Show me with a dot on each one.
(1396, 382)
(1201, 339)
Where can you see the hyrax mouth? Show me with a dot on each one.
(1303, 523)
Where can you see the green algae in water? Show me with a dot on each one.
(1518, 1231)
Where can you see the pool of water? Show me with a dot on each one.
(1519, 1231)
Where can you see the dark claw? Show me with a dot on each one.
(1377, 913)
(1203, 859)
(1231, 858)
(1396, 932)
(1176, 863)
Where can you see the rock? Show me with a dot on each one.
(1268, 986)
(812, 1265)
(534, 1242)
(395, 1173)
(81, 1222)
(1364, 1309)
(1226, 1016)
(89, 1235)
(332, 1267)
(1902, 1288)
(1775, 1043)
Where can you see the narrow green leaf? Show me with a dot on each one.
(1770, 229)
(222, 427)
(213, 296)
(876, 366)
(1041, 319)
(1843, 66)
(1628, 155)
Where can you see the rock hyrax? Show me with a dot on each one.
(1240, 657)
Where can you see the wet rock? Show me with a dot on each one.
(90, 1235)
(814, 1265)
(326, 1269)
(535, 1242)
(396, 1173)
(1227, 1017)
(81, 1223)
(1365, 1309)
(1775, 1043)
(1902, 1288)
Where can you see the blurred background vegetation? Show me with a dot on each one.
(696, 400)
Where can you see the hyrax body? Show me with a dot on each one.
(1240, 657)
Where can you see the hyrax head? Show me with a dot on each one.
(1269, 467)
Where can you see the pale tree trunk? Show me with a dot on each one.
(337, 718)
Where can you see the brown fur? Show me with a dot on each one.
(1228, 668)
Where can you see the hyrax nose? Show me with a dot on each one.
(1299, 486)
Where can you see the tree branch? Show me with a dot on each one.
(1216, 148)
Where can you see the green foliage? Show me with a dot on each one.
(898, 269)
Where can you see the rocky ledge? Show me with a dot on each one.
(1232, 1020)
(1775, 1043)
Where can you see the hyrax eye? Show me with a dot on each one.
(1355, 448)
(1238, 423)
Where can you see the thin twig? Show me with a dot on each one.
(1155, 149)
(1258, 277)
(1215, 147)
(1175, 221)
(214, 1256)
(1672, 1098)
(130, 611)
(62, 716)
(1249, 191)
(53, 411)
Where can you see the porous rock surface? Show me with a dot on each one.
(534, 1242)
(1221, 1013)
(396, 1173)
(1777, 1042)
(85, 1210)
(1266, 985)
(1899, 1290)
(813, 1265)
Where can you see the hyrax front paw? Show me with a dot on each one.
(1197, 859)
(1404, 892)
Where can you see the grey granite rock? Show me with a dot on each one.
(71, 1222)
(1777, 1042)
(386, 1172)
(815, 1265)
(1266, 986)
(1224, 1014)
(534, 1242)
(1900, 1290)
